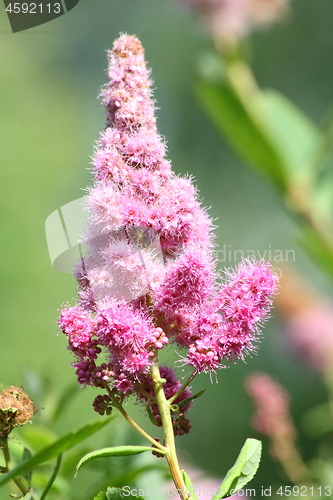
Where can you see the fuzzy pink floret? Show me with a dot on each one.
(245, 300)
(189, 281)
(130, 337)
(79, 328)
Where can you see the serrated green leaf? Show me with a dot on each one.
(63, 444)
(100, 496)
(112, 492)
(115, 451)
(116, 494)
(243, 471)
(189, 486)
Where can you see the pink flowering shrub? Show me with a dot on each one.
(149, 278)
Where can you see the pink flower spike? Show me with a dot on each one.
(147, 277)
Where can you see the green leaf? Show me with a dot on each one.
(67, 397)
(26, 456)
(294, 135)
(317, 248)
(116, 494)
(240, 118)
(115, 451)
(187, 400)
(63, 444)
(189, 486)
(101, 496)
(243, 471)
(28, 496)
(317, 421)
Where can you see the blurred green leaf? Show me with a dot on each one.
(322, 196)
(63, 444)
(26, 455)
(241, 121)
(37, 437)
(243, 471)
(115, 451)
(189, 485)
(65, 399)
(318, 249)
(294, 135)
(318, 420)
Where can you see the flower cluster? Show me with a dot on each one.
(148, 278)
(230, 20)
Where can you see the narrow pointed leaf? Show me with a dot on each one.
(187, 400)
(26, 456)
(115, 451)
(243, 471)
(63, 444)
(66, 398)
(189, 486)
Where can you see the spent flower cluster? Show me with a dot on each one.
(148, 279)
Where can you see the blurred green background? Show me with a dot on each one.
(50, 118)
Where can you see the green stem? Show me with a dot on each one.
(328, 379)
(52, 478)
(162, 449)
(169, 438)
(17, 480)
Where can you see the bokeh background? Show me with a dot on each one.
(50, 119)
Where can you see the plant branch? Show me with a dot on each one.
(162, 449)
(169, 438)
(17, 480)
